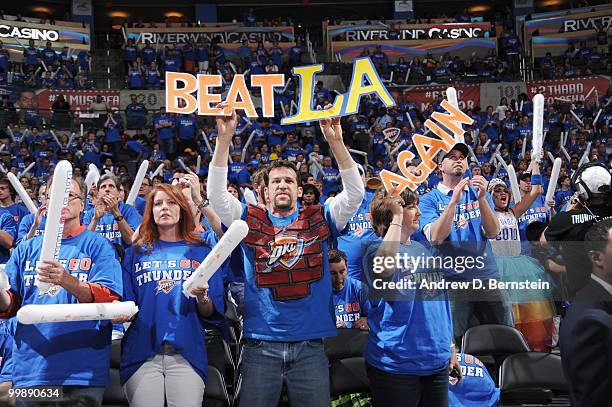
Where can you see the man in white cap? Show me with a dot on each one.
(592, 183)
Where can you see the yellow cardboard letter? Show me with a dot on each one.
(305, 112)
(362, 68)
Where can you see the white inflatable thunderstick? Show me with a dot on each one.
(37, 314)
(554, 177)
(54, 228)
(222, 250)
(538, 127)
(25, 198)
(142, 172)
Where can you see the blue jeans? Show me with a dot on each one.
(398, 390)
(302, 366)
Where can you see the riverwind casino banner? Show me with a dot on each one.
(411, 40)
(229, 37)
(16, 34)
(553, 33)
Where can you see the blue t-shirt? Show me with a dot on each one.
(154, 281)
(7, 332)
(330, 180)
(310, 317)
(8, 225)
(358, 231)
(186, 127)
(25, 225)
(393, 344)
(63, 353)
(476, 389)
(140, 205)
(536, 213)
(165, 133)
(562, 197)
(467, 238)
(108, 227)
(16, 210)
(350, 303)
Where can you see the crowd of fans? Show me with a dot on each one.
(146, 65)
(46, 68)
(576, 61)
(117, 142)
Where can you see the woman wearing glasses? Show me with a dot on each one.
(74, 355)
(163, 356)
(409, 352)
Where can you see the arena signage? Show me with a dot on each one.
(365, 81)
(221, 35)
(415, 34)
(589, 23)
(27, 33)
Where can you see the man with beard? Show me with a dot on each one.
(288, 291)
(567, 229)
(458, 215)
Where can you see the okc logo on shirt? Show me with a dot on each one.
(164, 286)
(285, 250)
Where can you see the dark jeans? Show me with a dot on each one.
(396, 390)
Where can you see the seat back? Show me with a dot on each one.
(493, 340)
(215, 387)
(348, 376)
(348, 343)
(533, 369)
(492, 343)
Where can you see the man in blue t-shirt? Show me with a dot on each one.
(164, 126)
(74, 355)
(7, 201)
(350, 298)
(288, 290)
(458, 217)
(114, 220)
(135, 114)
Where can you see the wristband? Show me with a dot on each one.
(202, 205)
(396, 224)
(536, 179)
(119, 218)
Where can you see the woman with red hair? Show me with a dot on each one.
(163, 356)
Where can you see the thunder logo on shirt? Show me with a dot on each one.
(465, 212)
(359, 224)
(164, 274)
(73, 266)
(286, 251)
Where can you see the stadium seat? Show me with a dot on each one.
(215, 389)
(348, 343)
(533, 378)
(348, 376)
(492, 344)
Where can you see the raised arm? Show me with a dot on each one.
(536, 189)
(437, 231)
(344, 205)
(227, 207)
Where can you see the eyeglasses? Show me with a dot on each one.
(71, 197)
